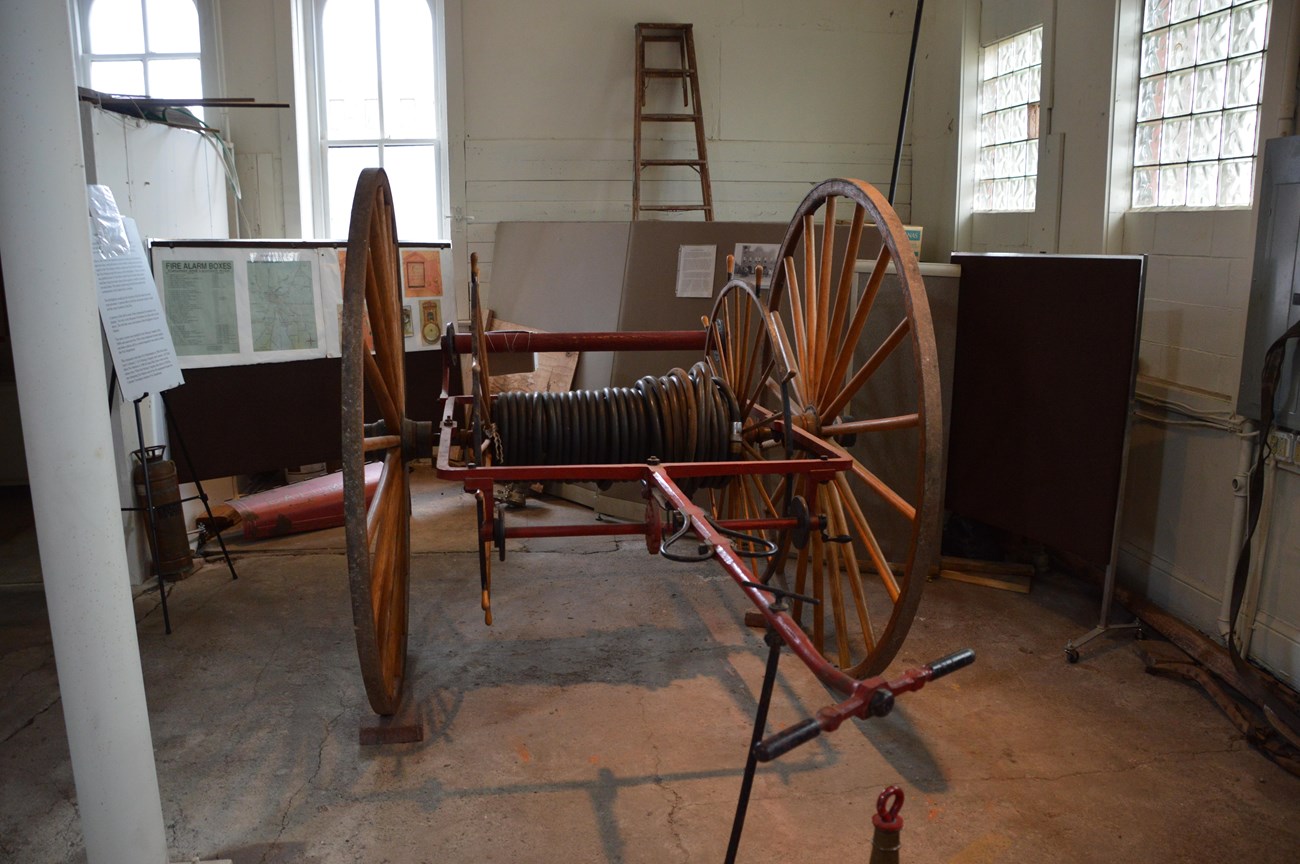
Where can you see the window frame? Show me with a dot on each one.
(1031, 172)
(315, 187)
(1128, 82)
(208, 53)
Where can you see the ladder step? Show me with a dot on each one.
(676, 37)
(669, 73)
(669, 118)
(677, 28)
(692, 163)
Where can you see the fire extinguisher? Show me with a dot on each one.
(172, 554)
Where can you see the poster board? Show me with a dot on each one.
(243, 302)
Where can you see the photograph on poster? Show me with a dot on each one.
(750, 256)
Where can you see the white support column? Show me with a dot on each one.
(54, 324)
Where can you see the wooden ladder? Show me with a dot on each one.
(687, 71)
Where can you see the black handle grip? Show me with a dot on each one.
(951, 663)
(787, 739)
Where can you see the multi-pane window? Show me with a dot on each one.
(143, 47)
(377, 89)
(1006, 175)
(1201, 72)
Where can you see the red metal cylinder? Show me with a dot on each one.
(889, 827)
(526, 342)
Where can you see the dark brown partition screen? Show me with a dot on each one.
(1042, 386)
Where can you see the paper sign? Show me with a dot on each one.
(695, 270)
(138, 338)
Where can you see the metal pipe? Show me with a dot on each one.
(1237, 529)
(907, 101)
(527, 342)
(45, 240)
(532, 532)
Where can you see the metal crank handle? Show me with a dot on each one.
(874, 701)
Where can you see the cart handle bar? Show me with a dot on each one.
(875, 699)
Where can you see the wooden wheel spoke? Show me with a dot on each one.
(381, 504)
(824, 286)
(800, 583)
(879, 424)
(796, 314)
(387, 350)
(381, 442)
(836, 567)
(850, 341)
(379, 387)
(881, 354)
(898, 502)
(819, 611)
(852, 573)
(385, 509)
(868, 538)
(811, 305)
(843, 293)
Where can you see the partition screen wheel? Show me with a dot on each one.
(378, 533)
(866, 378)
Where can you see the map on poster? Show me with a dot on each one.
(282, 305)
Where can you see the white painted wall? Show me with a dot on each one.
(792, 94)
(540, 106)
(1179, 500)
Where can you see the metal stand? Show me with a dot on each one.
(149, 513)
(198, 484)
(774, 643)
(1103, 624)
(765, 699)
(149, 509)
(1108, 583)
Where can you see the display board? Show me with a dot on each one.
(242, 302)
(1042, 390)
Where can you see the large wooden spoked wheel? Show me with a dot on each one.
(378, 535)
(868, 355)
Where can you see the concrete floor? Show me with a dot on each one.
(604, 717)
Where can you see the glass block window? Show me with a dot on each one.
(1199, 88)
(1006, 175)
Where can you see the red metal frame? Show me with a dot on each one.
(825, 460)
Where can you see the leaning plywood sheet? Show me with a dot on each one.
(562, 276)
(553, 372)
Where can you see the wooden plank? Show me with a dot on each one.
(975, 565)
(1004, 582)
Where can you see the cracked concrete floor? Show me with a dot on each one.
(604, 718)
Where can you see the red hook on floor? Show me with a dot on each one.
(889, 825)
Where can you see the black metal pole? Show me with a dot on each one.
(907, 101)
(194, 475)
(774, 642)
(149, 518)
